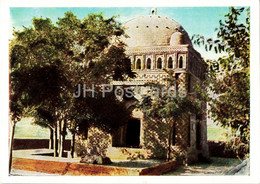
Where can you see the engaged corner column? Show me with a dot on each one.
(204, 140)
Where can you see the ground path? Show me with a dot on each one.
(219, 166)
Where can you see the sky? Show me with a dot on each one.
(195, 20)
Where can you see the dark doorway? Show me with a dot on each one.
(133, 133)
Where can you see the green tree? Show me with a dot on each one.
(16, 113)
(49, 60)
(229, 77)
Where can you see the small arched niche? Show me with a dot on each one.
(181, 62)
(138, 64)
(148, 63)
(159, 63)
(170, 62)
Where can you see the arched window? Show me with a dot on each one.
(181, 62)
(159, 63)
(170, 62)
(138, 64)
(148, 64)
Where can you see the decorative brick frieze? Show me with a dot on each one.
(157, 50)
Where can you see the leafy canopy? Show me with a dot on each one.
(229, 77)
(49, 60)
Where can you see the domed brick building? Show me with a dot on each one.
(155, 43)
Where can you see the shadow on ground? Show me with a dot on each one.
(44, 154)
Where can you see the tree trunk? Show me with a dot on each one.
(55, 142)
(62, 136)
(59, 136)
(169, 146)
(51, 138)
(11, 146)
(72, 146)
(170, 142)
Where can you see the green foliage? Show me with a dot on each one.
(105, 113)
(43, 118)
(97, 142)
(167, 106)
(230, 84)
(156, 137)
(49, 60)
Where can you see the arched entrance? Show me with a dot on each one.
(128, 135)
(133, 133)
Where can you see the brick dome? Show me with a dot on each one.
(153, 30)
(176, 39)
